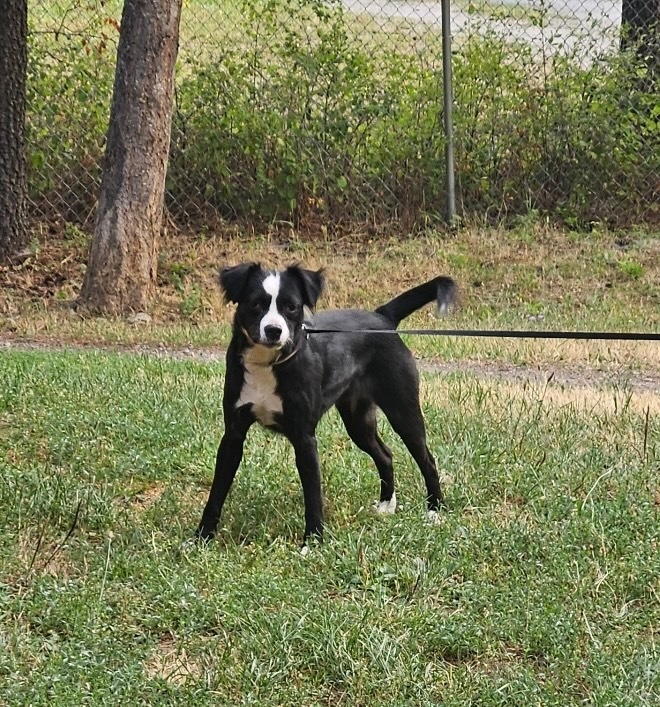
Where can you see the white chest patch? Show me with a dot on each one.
(259, 389)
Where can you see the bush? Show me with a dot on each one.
(296, 120)
(69, 90)
(574, 142)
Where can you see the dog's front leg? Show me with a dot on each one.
(228, 459)
(307, 462)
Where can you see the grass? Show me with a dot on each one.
(539, 586)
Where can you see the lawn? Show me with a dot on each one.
(540, 585)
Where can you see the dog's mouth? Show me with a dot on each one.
(273, 343)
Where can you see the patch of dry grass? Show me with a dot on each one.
(523, 278)
(38, 553)
(172, 663)
(585, 399)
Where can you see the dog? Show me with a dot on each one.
(286, 378)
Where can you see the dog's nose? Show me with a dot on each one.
(272, 333)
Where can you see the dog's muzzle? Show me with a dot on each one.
(272, 336)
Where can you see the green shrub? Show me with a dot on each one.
(296, 119)
(302, 122)
(69, 90)
(574, 142)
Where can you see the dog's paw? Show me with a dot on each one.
(203, 536)
(198, 540)
(304, 551)
(189, 545)
(386, 507)
(433, 517)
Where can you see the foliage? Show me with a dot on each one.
(297, 118)
(69, 85)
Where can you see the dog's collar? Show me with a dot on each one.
(247, 336)
(288, 357)
(276, 361)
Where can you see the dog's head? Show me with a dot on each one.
(271, 303)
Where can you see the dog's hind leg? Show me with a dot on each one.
(405, 416)
(359, 418)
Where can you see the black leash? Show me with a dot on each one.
(502, 333)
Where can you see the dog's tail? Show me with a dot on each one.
(440, 289)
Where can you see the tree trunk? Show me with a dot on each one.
(13, 179)
(121, 269)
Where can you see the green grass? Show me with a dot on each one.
(539, 587)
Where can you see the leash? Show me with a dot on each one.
(501, 333)
(485, 333)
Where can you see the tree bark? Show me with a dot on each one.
(13, 177)
(121, 269)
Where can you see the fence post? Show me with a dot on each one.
(448, 117)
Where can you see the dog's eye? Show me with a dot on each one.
(255, 306)
(291, 308)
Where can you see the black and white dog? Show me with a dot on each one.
(286, 379)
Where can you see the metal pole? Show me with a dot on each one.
(448, 104)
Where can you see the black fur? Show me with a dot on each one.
(234, 280)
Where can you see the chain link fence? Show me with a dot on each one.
(330, 112)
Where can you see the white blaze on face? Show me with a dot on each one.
(272, 317)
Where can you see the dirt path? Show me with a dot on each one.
(555, 375)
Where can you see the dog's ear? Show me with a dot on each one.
(234, 279)
(311, 283)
